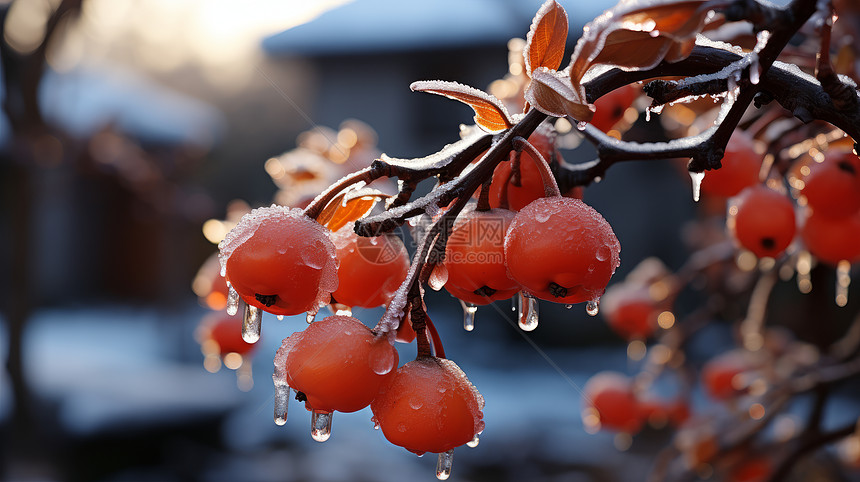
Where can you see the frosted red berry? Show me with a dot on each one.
(740, 167)
(280, 260)
(832, 239)
(832, 187)
(370, 269)
(336, 364)
(429, 406)
(562, 250)
(475, 257)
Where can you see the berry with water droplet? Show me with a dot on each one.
(279, 260)
(370, 269)
(762, 220)
(337, 364)
(561, 250)
(435, 404)
(475, 257)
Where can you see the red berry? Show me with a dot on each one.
(832, 240)
(630, 311)
(370, 269)
(336, 364)
(609, 397)
(740, 167)
(226, 332)
(429, 406)
(751, 470)
(762, 220)
(529, 186)
(719, 374)
(562, 250)
(475, 257)
(610, 108)
(280, 261)
(832, 187)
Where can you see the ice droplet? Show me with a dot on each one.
(592, 307)
(444, 464)
(603, 253)
(310, 317)
(280, 317)
(282, 400)
(843, 280)
(438, 277)
(375, 422)
(251, 324)
(382, 358)
(568, 306)
(343, 310)
(581, 125)
(697, 184)
(474, 442)
(320, 425)
(232, 300)
(469, 311)
(528, 313)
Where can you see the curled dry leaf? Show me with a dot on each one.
(639, 35)
(348, 207)
(546, 39)
(490, 113)
(553, 93)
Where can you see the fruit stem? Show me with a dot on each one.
(550, 187)
(484, 197)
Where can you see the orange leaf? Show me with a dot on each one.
(348, 207)
(552, 93)
(490, 113)
(635, 37)
(546, 38)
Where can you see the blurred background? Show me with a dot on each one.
(127, 125)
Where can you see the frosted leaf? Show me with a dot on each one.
(490, 112)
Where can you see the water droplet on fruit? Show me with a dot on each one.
(528, 314)
(438, 277)
(251, 324)
(320, 425)
(375, 422)
(401, 427)
(469, 311)
(232, 300)
(280, 317)
(415, 403)
(603, 253)
(310, 317)
(474, 442)
(592, 307)
(697, 184)
(382, 357)
(444, 464)
(282, 400)
(542, 216)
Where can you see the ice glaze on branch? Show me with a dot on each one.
(799, 93)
